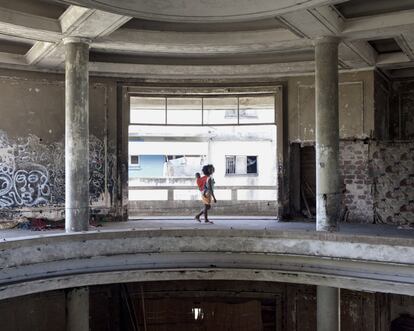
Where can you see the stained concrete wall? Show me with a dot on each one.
(402, 110)
(356, 106)
(32, 133)
(376, 148)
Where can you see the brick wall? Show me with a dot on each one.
(357, 199)
(378, 181)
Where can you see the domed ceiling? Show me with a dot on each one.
(199, 10)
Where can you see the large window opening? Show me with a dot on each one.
(172, 136)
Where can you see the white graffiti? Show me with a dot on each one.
(22, 183)
(33, 173)
(24, 187)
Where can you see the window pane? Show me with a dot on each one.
(220, 111)
(252, 164)
(134, 159)
(184, 110)
(147, 110)
(230, 164)
(257, 109)
(241, 165)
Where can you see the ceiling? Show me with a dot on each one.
(208, 38)
(201, 11)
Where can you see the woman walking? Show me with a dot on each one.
(206, 186)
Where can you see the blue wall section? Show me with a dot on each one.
(150, 166)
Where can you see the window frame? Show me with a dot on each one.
(226, 158)
(235, 174)
(203, 96)
(137, 165)
(257, 166)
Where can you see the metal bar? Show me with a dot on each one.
(166, 110)
(238, 110)
(202, 111)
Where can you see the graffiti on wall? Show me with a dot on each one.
(33, 173)
(96, 167)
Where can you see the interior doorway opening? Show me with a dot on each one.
(171, 137)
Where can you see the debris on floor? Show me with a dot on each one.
(406, 227)
(41, 224)
(7, 224)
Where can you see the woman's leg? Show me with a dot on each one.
(206, 209)
(197, 217)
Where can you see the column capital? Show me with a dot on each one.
(76, 40)
(327, 40)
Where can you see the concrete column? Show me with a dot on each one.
(328, 312)
(328, 197)
(77, 134)
(77, 309)
(327, 134)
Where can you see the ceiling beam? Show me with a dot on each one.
(325, 21)
(90, 23)
(75, 22)
(212, 43)
(392, 59)
(29, 26)
(406, 43)
(200, 71)
(379, 26)
(14, 59)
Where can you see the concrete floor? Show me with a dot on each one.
(225, 223)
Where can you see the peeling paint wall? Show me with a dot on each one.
(32, 156)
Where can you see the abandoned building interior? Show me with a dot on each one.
(108, 109)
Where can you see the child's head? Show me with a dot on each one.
(197, 175)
